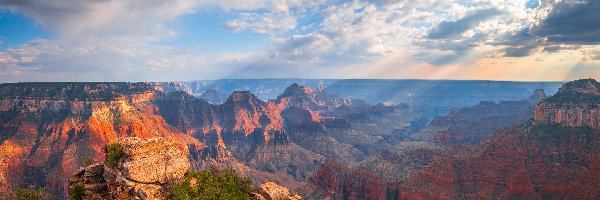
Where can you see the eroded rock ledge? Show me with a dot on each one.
(147, 170)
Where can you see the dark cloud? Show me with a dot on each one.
(452, 28)
(520, 51)
(557, 48)
(571, 22)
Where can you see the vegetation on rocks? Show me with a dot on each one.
(31, 193)
(213, 184)
(76, 191)
(114, 152)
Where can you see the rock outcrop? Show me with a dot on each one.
(554, 156)
(146, 170)
(538, 159)
(272, 191)
(49, 130)
(577, 103)
(471, 125)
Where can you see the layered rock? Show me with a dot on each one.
(46, 138)
(533, 161)
(536, 160)
(336, 181)
(471, 125)
(540, 159)
(272, 191)
(51, 129)
(576, 104)
(147, 170)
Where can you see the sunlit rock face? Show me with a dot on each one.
(147, 170)
(576, 104)
(272, 191)
(49, 129)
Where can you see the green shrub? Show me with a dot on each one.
(213, 184)
(76, 191)
(114, 152)
(31, 193)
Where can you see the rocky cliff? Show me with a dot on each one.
(49, 130)
(532, 161)
(470, 125)
(550, 157)
(539, 159)
(576, 104)
(148, 169)
(143, 169)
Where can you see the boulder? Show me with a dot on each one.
(147, 170)
(272, 191)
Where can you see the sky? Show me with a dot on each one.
(178, 40)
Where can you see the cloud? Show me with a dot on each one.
(128, 39)
(521, 51)
(571, 22)
(453, 28)
(266, 23)
(74, 19)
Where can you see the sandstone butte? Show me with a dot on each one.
(149, 169)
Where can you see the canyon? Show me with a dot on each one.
(551, 156)
(316, 143)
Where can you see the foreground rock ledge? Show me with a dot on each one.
(147, 170)
(272, 191)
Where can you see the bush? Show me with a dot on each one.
(213, 184)
(31, 193)
(114, 152)
(76, 191)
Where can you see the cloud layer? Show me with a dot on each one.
(127, 40)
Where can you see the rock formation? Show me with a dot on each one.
(471, 125)
(539, 159)
(49, 130)
(146, 170)
(576, 104)
(550, 157)
(272, 191)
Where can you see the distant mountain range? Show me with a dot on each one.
(430, 96)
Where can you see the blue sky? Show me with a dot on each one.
(16, 29)
(155, 40)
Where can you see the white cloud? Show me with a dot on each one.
(115, 39)
(267, 23)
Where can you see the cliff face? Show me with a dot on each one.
(533, 161)
(471, 125)
(552, 156)
(49, 129)
(576, 104)
(147, 169)
(536, 160)
(336, 181)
